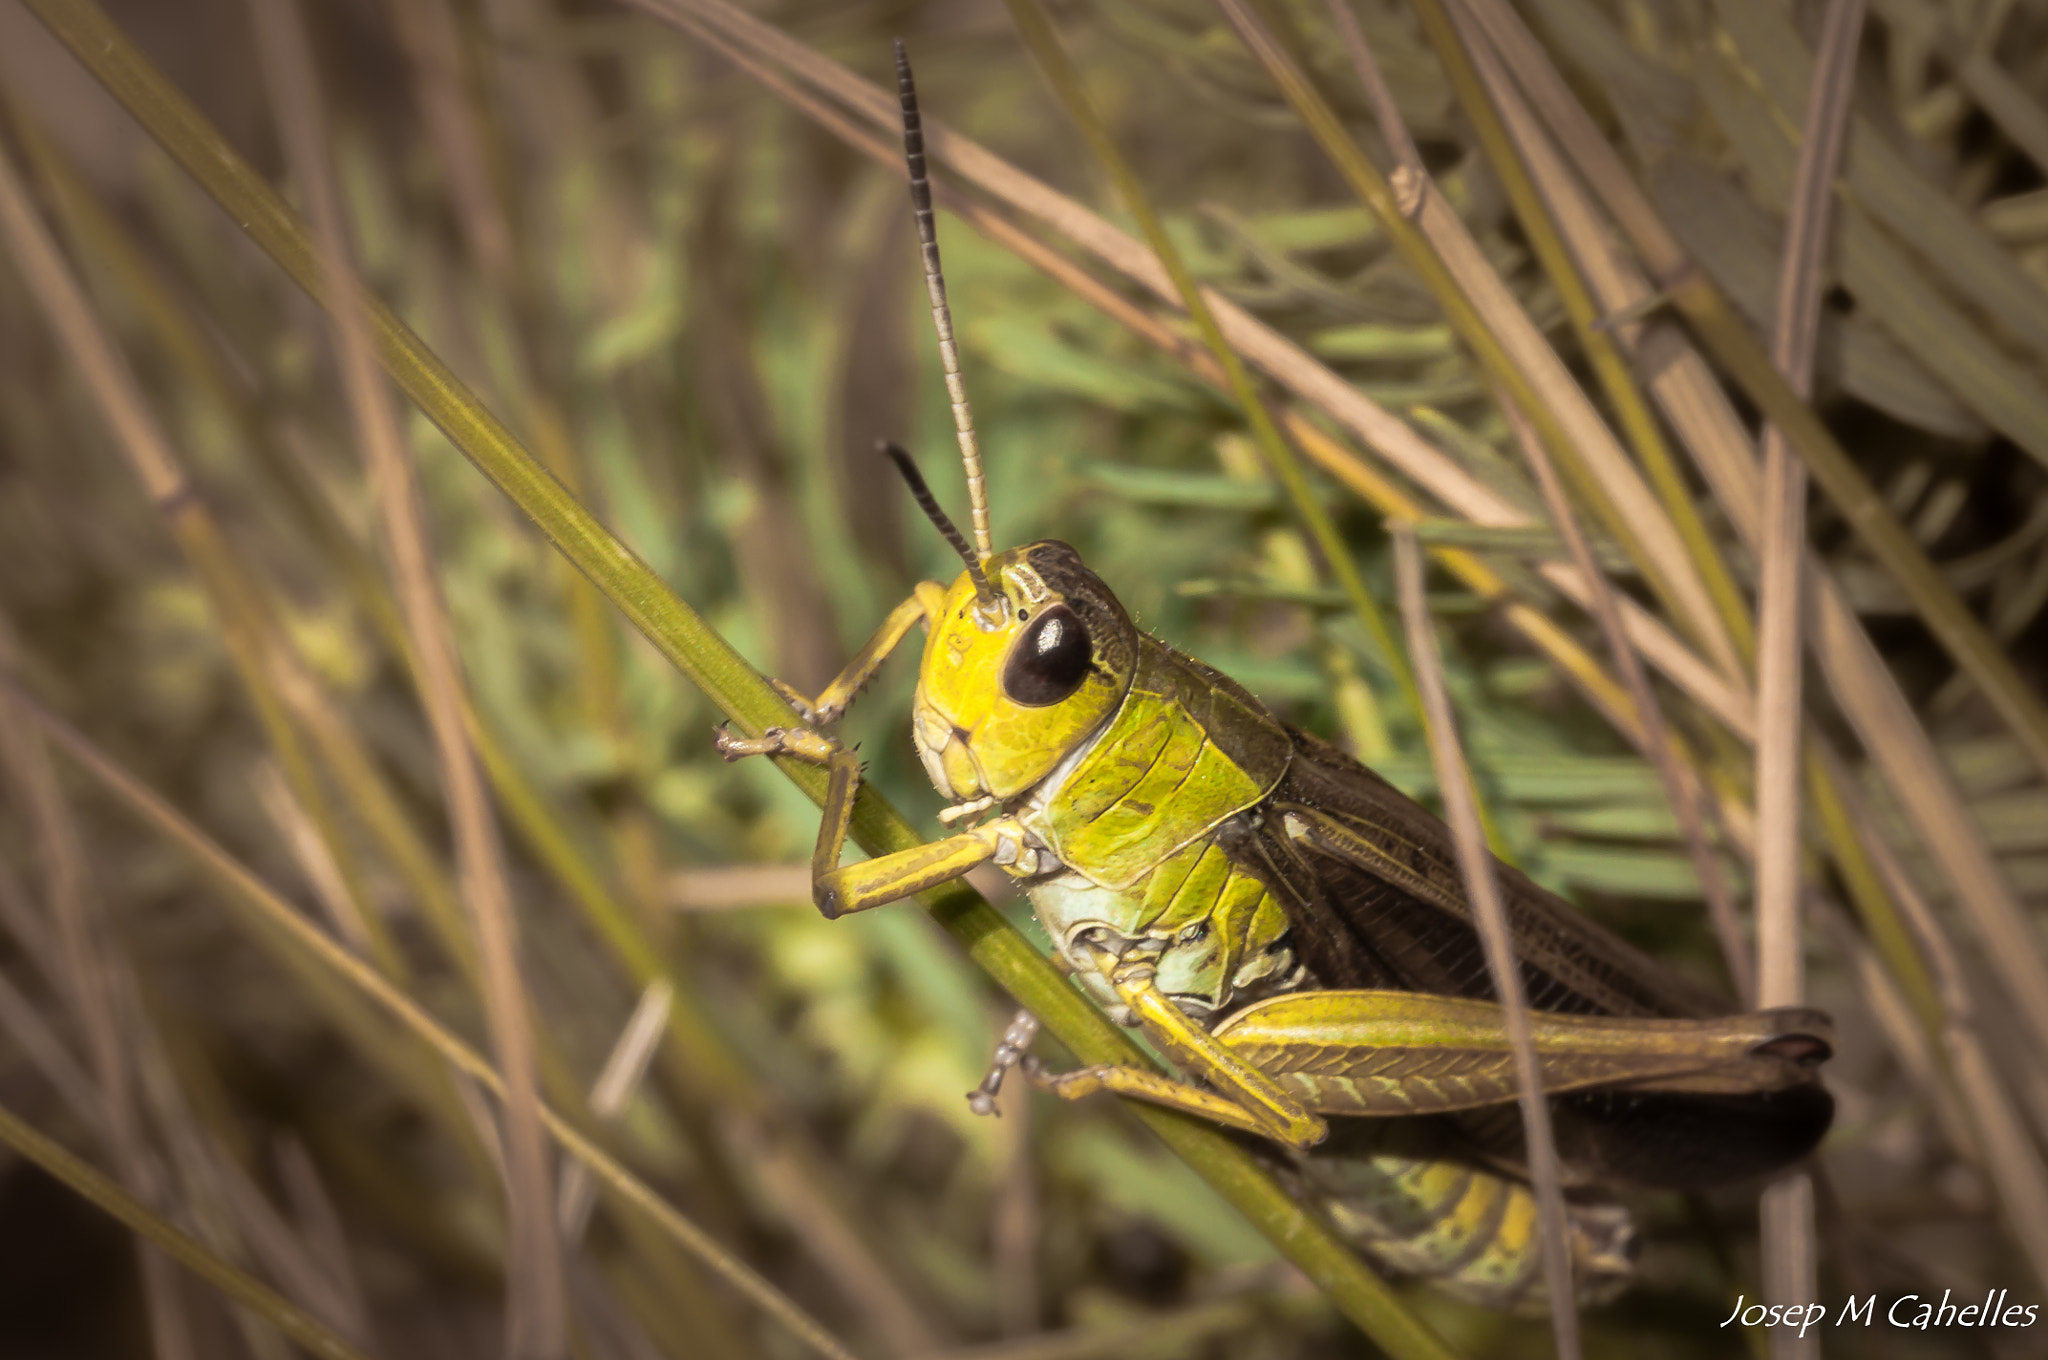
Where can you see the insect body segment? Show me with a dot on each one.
(1471, 1232)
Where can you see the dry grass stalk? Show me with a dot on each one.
(322, 1290)
(1698, 408)
(699, 1058)
(1280, 461)
(300, 1326)
(320, 1225)
(1674, 767)
(32, 935)
(1490, 917)
(1512, 349)
(182, 1175)
(2003, 98)
(331, 960)
(625, 1067)
(278, 685)
(1975, 650)
(24, 1026)
(1650, 636)
(1789, 1249)
(82, 971)
(1857, 678)
(682, 637)
(1460, 48)
(237, 1228)
(750, 42)
(1015, 1226)
(1681, 786)
(1385, 112)
(739, 886)
(1650, 731)
(1783, 550)
(536, 1304)
(428, 33)
(323, 876)
(2001, 1139)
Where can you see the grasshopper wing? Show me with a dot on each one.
(1371, 884)
(1375, 900)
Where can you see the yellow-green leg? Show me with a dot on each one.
(1154, 1088)
(923, 606)
(856, 887)
(1244, 1097)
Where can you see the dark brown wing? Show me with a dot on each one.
(1374, 896)
(1375, 899)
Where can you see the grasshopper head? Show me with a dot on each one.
(1015, 678)
(1031, 652)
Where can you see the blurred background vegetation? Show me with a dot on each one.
(701, 310)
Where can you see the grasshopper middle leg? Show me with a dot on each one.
(1238, 1094)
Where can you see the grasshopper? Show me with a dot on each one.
(1286, 926)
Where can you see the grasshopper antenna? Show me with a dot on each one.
(942, 315)
(983, 591)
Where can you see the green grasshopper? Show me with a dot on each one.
(1290, 929)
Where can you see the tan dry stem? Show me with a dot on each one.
(329, 960)
(536, 1305)
(1490, 916)
(1790, 1266)
(758, 47)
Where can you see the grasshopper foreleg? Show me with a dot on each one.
(1009, 1052)
(835, 890)
(806, 742)
(832, 701)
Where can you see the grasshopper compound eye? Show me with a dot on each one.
(1051, 660)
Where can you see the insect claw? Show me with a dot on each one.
(982, 1099)
(829, 903)
(725, 743)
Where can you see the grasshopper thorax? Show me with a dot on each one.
(1009, 686)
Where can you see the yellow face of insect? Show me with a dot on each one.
(1003, 694)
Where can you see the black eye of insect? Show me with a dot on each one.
(1051, 659)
